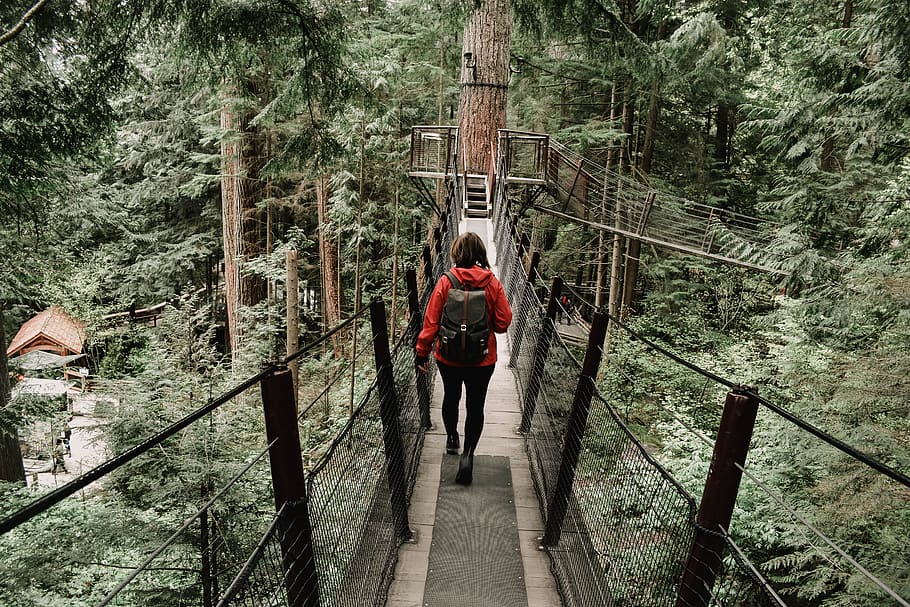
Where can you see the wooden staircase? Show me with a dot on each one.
(476, 200)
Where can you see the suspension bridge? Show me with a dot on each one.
(567, 506)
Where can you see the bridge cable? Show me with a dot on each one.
(135, 572)
(790, 417)
(893, 474)
(57, 495)
(48, 500)
(780, 501)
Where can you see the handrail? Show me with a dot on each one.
(838, 444)
(48, 500)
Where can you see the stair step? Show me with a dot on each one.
(475, 196)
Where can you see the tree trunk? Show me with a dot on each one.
(633, 250)
(328, 258)
(721, 142)
(484, 82)
(231, 224)
(292, 341)
(393, 320)
(828, 162)
(615, 248)
(10, 455)
(631, 267)
(241, 159)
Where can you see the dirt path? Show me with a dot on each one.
(86, 448)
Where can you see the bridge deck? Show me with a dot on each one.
(502, 417)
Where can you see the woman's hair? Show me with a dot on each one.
(468, 251)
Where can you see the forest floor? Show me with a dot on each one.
(86, 448)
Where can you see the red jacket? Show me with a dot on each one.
(498, 311)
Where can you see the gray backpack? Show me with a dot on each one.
(464, 332)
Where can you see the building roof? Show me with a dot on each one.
(52, 330)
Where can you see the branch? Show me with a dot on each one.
(22, 22)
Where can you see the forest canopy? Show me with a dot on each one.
(174, 151)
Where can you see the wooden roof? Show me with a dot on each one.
(52, 330)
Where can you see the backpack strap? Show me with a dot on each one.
(454, 280)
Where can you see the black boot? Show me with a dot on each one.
(452, 444)
(465, 468)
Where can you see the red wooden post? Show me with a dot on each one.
(289, 483)
(718, 499)
(388, 412)
(540, 356)
(575, 430)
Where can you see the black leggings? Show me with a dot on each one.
(476, 380)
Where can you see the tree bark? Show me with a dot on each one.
(11, 468)
(607, 280)
(631, 267)
(721, 141)
(292, 341)
(828, 162)
(484, 81)
(328, 257)
(242, 156)
(633, 250)
(231, 224)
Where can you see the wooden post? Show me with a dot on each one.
(410, 279)
(437, 248)
(427, 264)
(718, 499)
(575, 430)
(416, 322)
(535, 263)
(388, 411)
(540, 356)
(293, 319)
(524, 312)
(289, 484)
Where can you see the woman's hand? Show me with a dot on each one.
(422, 363)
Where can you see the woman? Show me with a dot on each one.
(471, 267)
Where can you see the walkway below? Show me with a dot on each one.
(500, 458)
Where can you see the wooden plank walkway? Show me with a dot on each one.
(500, 438)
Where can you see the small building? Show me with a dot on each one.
(52, 331)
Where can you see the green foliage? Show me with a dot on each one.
(109, 196)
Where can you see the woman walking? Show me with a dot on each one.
(472, 270)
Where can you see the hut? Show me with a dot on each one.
(52, 331)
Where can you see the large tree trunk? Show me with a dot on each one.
(633, 250)
(484, 82)
(10, 456)
(630, 266)
(721, 141)
(241, 189)
(328, 258)
(231, 213)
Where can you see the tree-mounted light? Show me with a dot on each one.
(470, 62)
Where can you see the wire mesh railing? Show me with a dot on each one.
(352, 510)
(264, 579)
(433, 150)
(625, 525)
(582, 191)
(355, 503)
(334, 540)
(356, 494)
